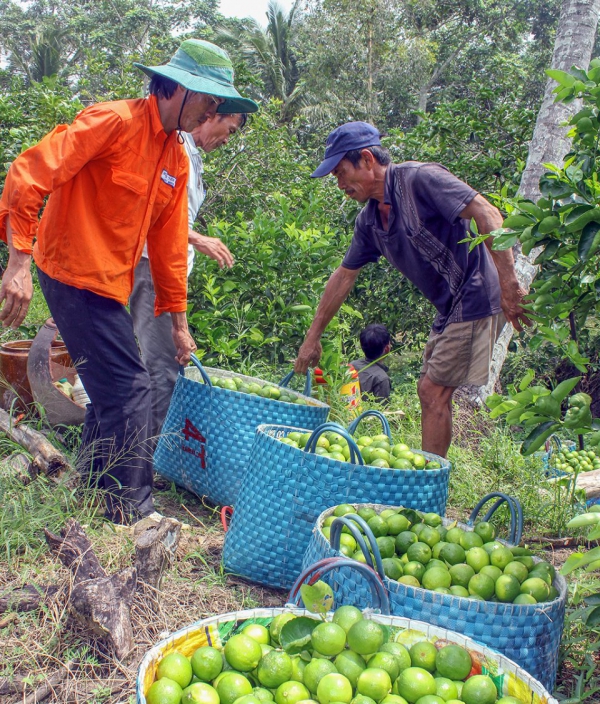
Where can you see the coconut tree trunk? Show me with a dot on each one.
(575, 37)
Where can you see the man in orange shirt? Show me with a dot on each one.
(116, 180)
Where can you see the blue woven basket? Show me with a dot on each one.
(286, 488)
(529, 634)
(208, 432)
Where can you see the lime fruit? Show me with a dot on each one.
(343, 509)
(456, 590)
(423, 654)
(400, 652)
(350, 664)
(247, 699)
(392, 568)
(262, 694)
(445, 688)
(452, 553)
(479, 689)
(414, 683)
(314, 670)
(200, 693)
(385, 661)
(346, 616)
(535, 587)
(421, 552)
(430, 535)
(164, 691)
(366, 513)
(470, 540)
(436, 577)
(274, 669)
(409, 580)
(257, 632)
(391, 699)
(485, 531)
(328, 639)
(477, 558)
(491, 571)
(374, 682)
(298, 667)
(481, 585)
(207, 663)
(414, 569)
(453, 662)
(517, 570)
(242, 652)
(507, 588)
(291, 693)
(404, 540)
(385, 543)
(333, 688)
(378, 526)
(177, 668)
(233, 686)
(501, 557)
(461, 574)
(454, 535)
(365, 637)
(401, 463)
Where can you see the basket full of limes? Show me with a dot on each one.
(209, 429)
(290, 656)
(452, 575)
(289, 482)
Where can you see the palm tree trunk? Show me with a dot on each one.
(575, 37)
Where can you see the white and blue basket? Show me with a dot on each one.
(285, 489)
(208, 432)
(529, 634)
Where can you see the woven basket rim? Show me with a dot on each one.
(395, 621)
(276, 431)
(559, 581)
(225, 373)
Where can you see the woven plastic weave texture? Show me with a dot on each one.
(208, 432)
(529, 634)
(284, 491)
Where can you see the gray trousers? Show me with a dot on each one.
(155, 342)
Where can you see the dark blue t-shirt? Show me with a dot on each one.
(422, 241)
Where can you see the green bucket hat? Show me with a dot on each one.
(203, 67)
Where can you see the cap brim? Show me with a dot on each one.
(327, 165)
(234, 102)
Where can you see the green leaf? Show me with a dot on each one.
(295, 634)
(527, 379)
(318, 598)
(586, 241)
(516, 222)
(561, 77)
(538, 436)
(504, 242)
(549, 224)
(503, 407)
(593, 618)
(565, 387)
(578, 559)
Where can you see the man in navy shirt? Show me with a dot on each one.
(415, 216)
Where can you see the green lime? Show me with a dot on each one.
(470, 540)
(343, 509)
(366, 513)
(461, 574)
(409, 580)
(242, 652)
(233, 686)
(414, 683)
(207, 663)
(518, 570)
(479, 689)
(365, 637)
(429, 535)
(328, 638)
(423, 655)
(421, 552)
(374, 682)
(350, 664)
(392, 568)
(164, 691)
(397, 524)
(257, 632)
(456, 590)
(277, 624)
(485, 531)
(477, 558)
(453, 662)
(524, 599)
(346, 616)
(400, 652)
(274, 669)
(404, 540)
(491, 571)
(454, 535)
(452, 553)
(315, 670)
(385, 661)
(385, 543)
(333, 688)
(378, 526)
(202, 693)
(501, 557)
(175, 667)
(436, 577)
(298, 667)
(507, 588)
(414, 569)
(481, 585)
(535, 587)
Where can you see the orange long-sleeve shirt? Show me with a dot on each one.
(115, 179)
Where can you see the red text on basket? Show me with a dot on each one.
(190, 432)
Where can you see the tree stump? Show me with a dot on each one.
(155, 550)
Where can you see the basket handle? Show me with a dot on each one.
(311, 443)
(377, 414)
(288, 377)
(313, 573)
(348, 520)
(516, 513)
(196, 362)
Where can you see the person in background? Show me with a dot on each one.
(372, 372)
(154, 332)
(115, 179)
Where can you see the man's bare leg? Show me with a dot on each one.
(436, 416)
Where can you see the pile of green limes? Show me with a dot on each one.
(253, 388)
(575, 461)
(376, 450)
(348, 660)
(417, 550)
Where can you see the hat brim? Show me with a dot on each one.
(327, 165)
(234, 102)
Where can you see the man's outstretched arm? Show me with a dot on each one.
(336, 291)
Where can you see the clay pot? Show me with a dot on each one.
(15, 390)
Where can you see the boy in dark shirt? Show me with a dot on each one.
(372, 373)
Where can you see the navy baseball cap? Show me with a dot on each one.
(343, 139)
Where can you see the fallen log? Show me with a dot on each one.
(46, 459)
(27, 598)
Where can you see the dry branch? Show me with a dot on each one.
(28, 598)
(46, 458)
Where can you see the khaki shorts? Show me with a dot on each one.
(462, 353)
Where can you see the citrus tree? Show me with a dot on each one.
(563, 228)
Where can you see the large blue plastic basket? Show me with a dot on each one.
(529, 634)
(208, 432)
(286, 488)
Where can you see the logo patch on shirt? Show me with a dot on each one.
(168, 179)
